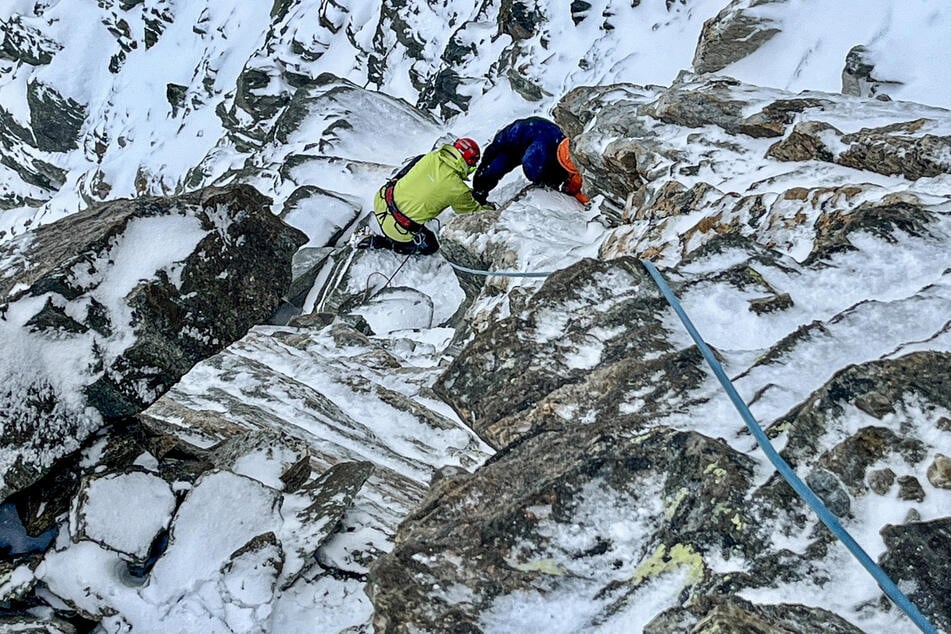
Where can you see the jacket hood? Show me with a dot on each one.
(453, 158)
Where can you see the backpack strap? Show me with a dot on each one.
(387, 194)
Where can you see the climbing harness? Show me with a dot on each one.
(398, 216)
(387, 194)
(884, 581)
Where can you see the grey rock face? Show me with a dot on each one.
(733, 34)
(910, 489)
(548, 366)
(939, 473)
(688, 489)
(247, 97)
(56, 121)
(319, 130)
(904, 149)
(516, 384)
(36, 625)
(345, 446)
(124, 352)
(631, 142)
(22, 43)
(771, 304)
(853, 456)
(887, 219)
(712, 614)
(830, 491)
(881, 480)
(264, 555)
(722, 103)
(919, 554)
(920, 373)
(857, 76)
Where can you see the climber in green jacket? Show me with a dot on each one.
(420, 192)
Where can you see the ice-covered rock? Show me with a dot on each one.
(106, 309)
(712, 613)
(917, 555)
(36, 625)
(349, 398)
(315, 513)
(858, 78)
(248, 582)
(599, 518)
(280, 461)
(124, 513)
(626, 494)
(734, 33)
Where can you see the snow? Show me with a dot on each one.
(398, 308)
(625, 522)
(192, 558)
(138, 254)
(125, 512)
(323, 605)
(432, 277)
(904, 39)
(266, 464)
(320, 218)
(871, 303)
(64, 363)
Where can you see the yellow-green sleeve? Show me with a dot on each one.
(463, 202)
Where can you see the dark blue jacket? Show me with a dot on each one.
(531, 142)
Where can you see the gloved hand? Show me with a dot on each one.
(480, 196)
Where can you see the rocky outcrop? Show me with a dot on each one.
(918, 555)
(713, 614)
(126, 297)
(23, 43)
(169, 534)
(734, 33)
(878, 389)
(37, 625)
(55, 120)
(651, 503)
(586, 366)
(858, 78)
(654, 154)
(573, 357)
(631, 143)
(905, 149)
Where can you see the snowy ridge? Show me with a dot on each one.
(334, 474)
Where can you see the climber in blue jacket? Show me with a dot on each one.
(540, 147)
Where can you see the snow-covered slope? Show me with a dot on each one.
(102, 100)
(326, 475)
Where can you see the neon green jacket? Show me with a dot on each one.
(436, 182)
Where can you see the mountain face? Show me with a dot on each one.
(217, 416)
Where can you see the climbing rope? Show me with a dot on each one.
(884, 581)
(368, 294)
(465, 269)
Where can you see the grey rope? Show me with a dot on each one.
(466, 269)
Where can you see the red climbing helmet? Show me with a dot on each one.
(469, 150)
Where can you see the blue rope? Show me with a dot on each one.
(884, 582)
